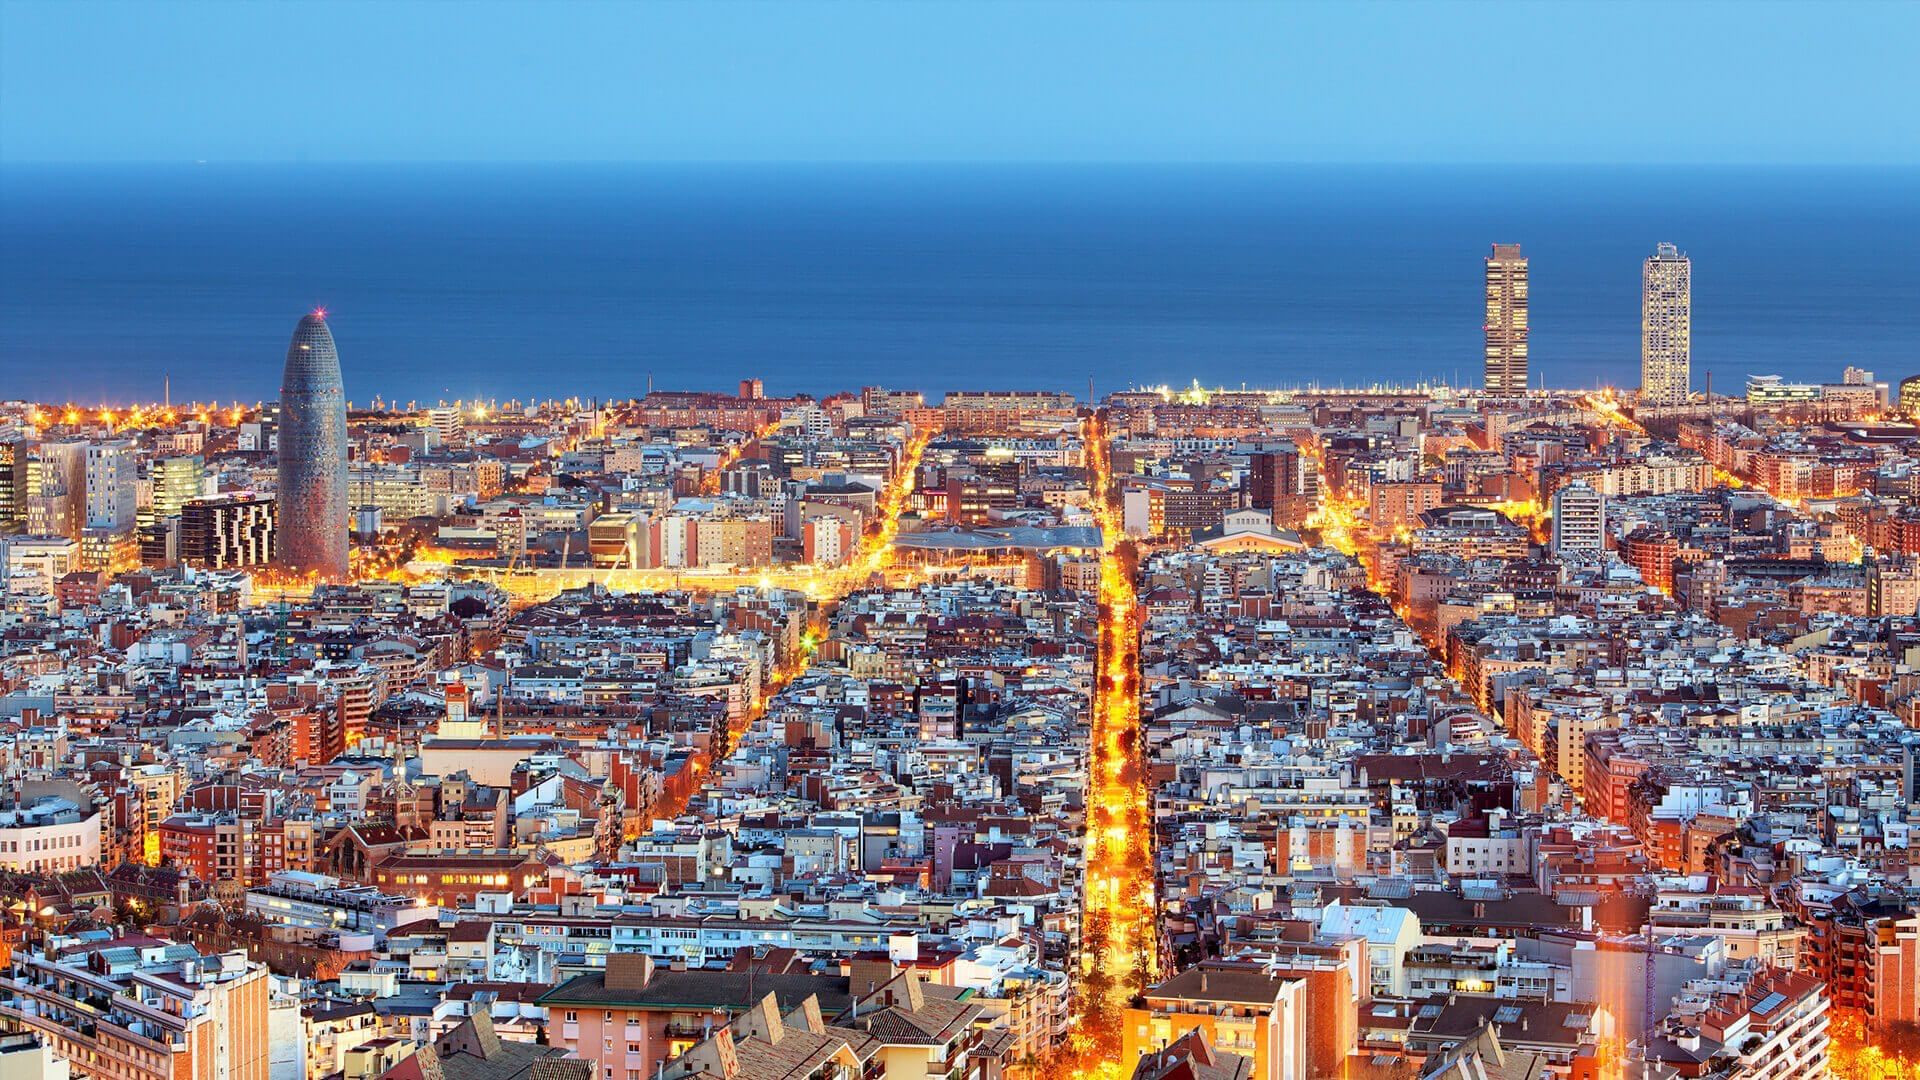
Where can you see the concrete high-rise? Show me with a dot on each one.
(1666, 328)
(1579, 520)
(112, 486)
(1285, 483)
(1506, 324)
(57, 490)
(311, 533)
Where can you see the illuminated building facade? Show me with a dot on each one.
(112, 486)
(1579, 519)
(56, 503)
(176, 482)
(312, 529)
(1666, 328)
(1285, 483)
(1910, 395)
(13, 485)
(227, 533)
(1506, 324)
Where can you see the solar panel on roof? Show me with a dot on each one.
(1507, 1014)
(1770, 1003)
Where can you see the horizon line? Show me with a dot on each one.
(1472, 163)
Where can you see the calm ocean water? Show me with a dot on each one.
(449, 281)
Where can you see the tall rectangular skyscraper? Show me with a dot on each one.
(113, 486)
(1666, 328)
(1506, 324)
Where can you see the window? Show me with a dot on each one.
(573, 1016)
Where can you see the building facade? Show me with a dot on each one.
(1506, 324)
(13, 485)
(1579, 519)
(313, 454)
(112, 486)
(227, 533)
(1666, 328)
(50, 836)
(176, 482)
(150, 1011)
(1285, 483)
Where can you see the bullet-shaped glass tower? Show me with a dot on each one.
(311, 533)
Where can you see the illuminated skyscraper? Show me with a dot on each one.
(176, 481)
(1910, 396)
(1506, 320)
(13, 485)
(1666, 328)
(312, 530)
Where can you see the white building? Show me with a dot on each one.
(1391, 933)
(1579, 519)
(31, 564)
(51, 835)
(113, 486)
(1666, 328)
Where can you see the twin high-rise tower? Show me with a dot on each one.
(1666, 325)
(311, 532)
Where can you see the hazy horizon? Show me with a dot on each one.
(513, 279)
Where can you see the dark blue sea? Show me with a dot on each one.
(500, 282)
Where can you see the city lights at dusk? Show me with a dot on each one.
(1033, 540)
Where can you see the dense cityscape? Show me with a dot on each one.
(1220, 734)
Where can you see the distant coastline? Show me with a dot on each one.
(517, 281)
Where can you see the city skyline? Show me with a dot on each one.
(1011, 540)
(1666, 334)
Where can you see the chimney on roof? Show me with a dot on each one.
(1203, 980)
(868, 972)
(628, 971)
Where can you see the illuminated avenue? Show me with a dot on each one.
(1291, 733)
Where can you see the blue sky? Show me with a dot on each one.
(995, 80)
